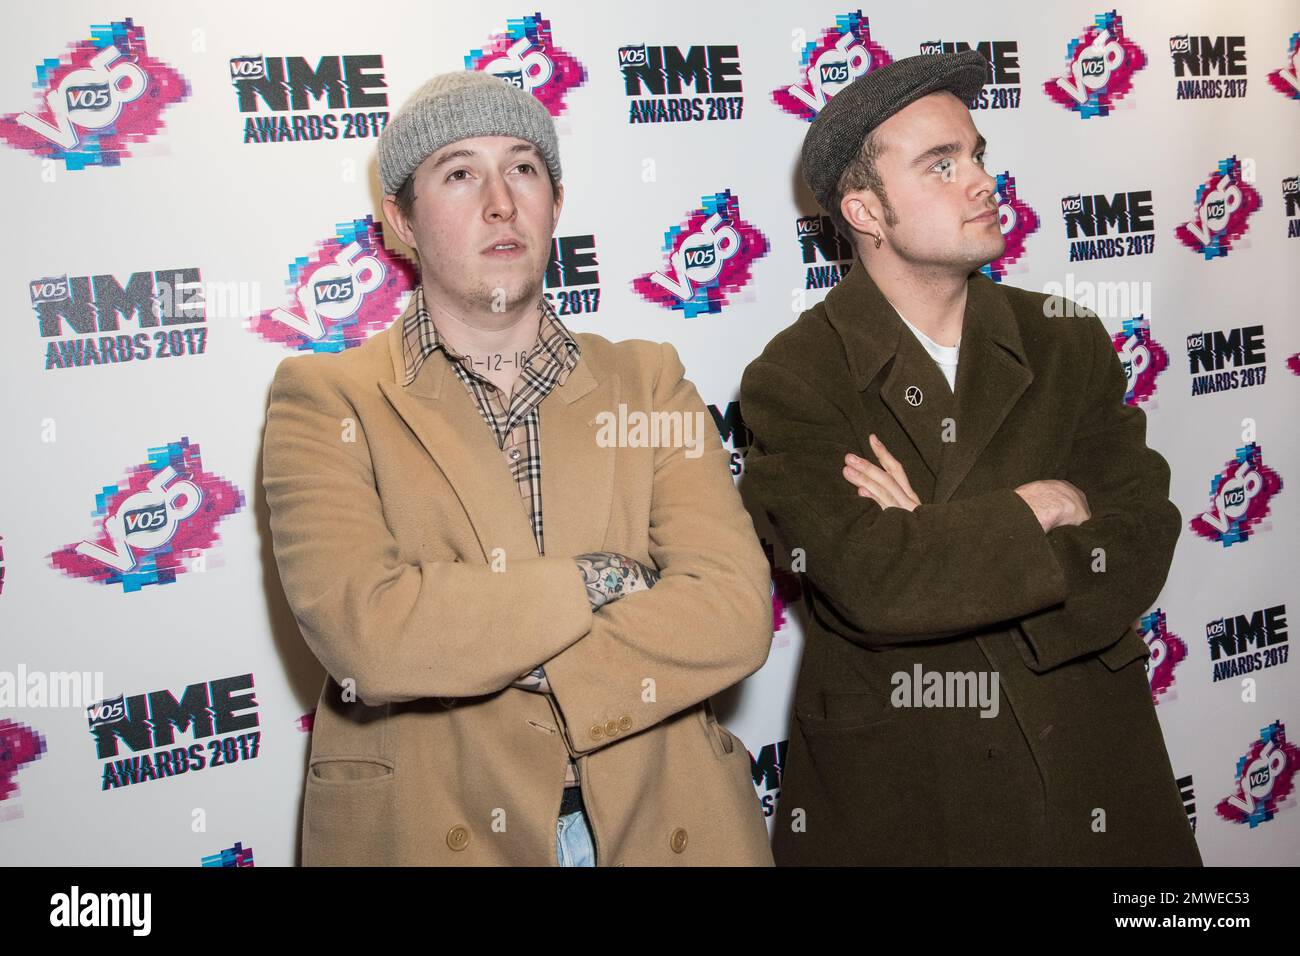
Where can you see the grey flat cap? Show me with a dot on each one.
(836, 134)
(459, 105)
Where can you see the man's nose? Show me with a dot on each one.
(499, 204)
(983, 183)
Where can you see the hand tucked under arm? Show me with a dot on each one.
(608, 576)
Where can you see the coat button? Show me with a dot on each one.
(611, 727)
(458, 837)
(595, 732)
(678, 840)
(625, 722)
(514, 454)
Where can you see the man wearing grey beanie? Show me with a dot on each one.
(499, 691)
(979, 539)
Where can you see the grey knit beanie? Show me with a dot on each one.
(458, 105)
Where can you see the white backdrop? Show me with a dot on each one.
(115, 189)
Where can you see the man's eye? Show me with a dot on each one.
(980, 159)
(527, 167)
(942, 165)
(456, 173)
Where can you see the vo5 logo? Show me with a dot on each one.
(90, 98)
(106, 711)
(1216, 207)
(1092, 67)
(146, 520)
(525, 70)
(1234, 497)
(699, 258)
(334, 291)
(1258, 779)
(832, 71)
(1136, 359)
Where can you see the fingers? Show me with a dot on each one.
(874, 482)
(888, 486)
(894, 467)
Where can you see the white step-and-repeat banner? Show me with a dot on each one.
(190, 195)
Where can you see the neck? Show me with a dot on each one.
(482, 335)
(932, 299)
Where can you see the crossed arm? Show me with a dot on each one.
(896, 570)
(608, 576)
(402, 629)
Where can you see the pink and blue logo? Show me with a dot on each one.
(708, 259)
(1264, 779)
(526, 56)
(154, 525)
(1285, 78)
(346, 290)
(101, 98)
(1101, 64)
(1017, 222)
(1224, 203)
(1239, 498)
(844, 53)
(1168, 650)
(19, 746)
(237, 855)
(1143, 359)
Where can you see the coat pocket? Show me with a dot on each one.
(349, 813)
(336, 770)
(845, 711)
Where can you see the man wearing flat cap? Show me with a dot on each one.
(499, 691)
(981, 520)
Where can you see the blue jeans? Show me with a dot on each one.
(573, 846)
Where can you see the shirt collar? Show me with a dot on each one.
(420, 338)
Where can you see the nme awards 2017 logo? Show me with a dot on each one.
(346, 289)
(1264, 779)
(1017, 222)
(1167, 651)
(844, 53)
(709, 259)
(154, 525)
(1143, 359)
(526, 56)
(1101, 65)
(147, 724)
(1223, 204)
(1239, 498)
(103, 96)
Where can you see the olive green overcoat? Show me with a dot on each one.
(1072, 766)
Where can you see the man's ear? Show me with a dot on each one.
(399, 222)
(559, 200)
(862, 211)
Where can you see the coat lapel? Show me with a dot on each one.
(577, 475)
(992, 372)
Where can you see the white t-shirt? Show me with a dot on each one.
(945, 356)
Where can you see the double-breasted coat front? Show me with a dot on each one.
(1070, 767)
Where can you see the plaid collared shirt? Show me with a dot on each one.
(514, 419)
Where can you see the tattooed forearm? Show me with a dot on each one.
(534, 680)
(609, 575)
